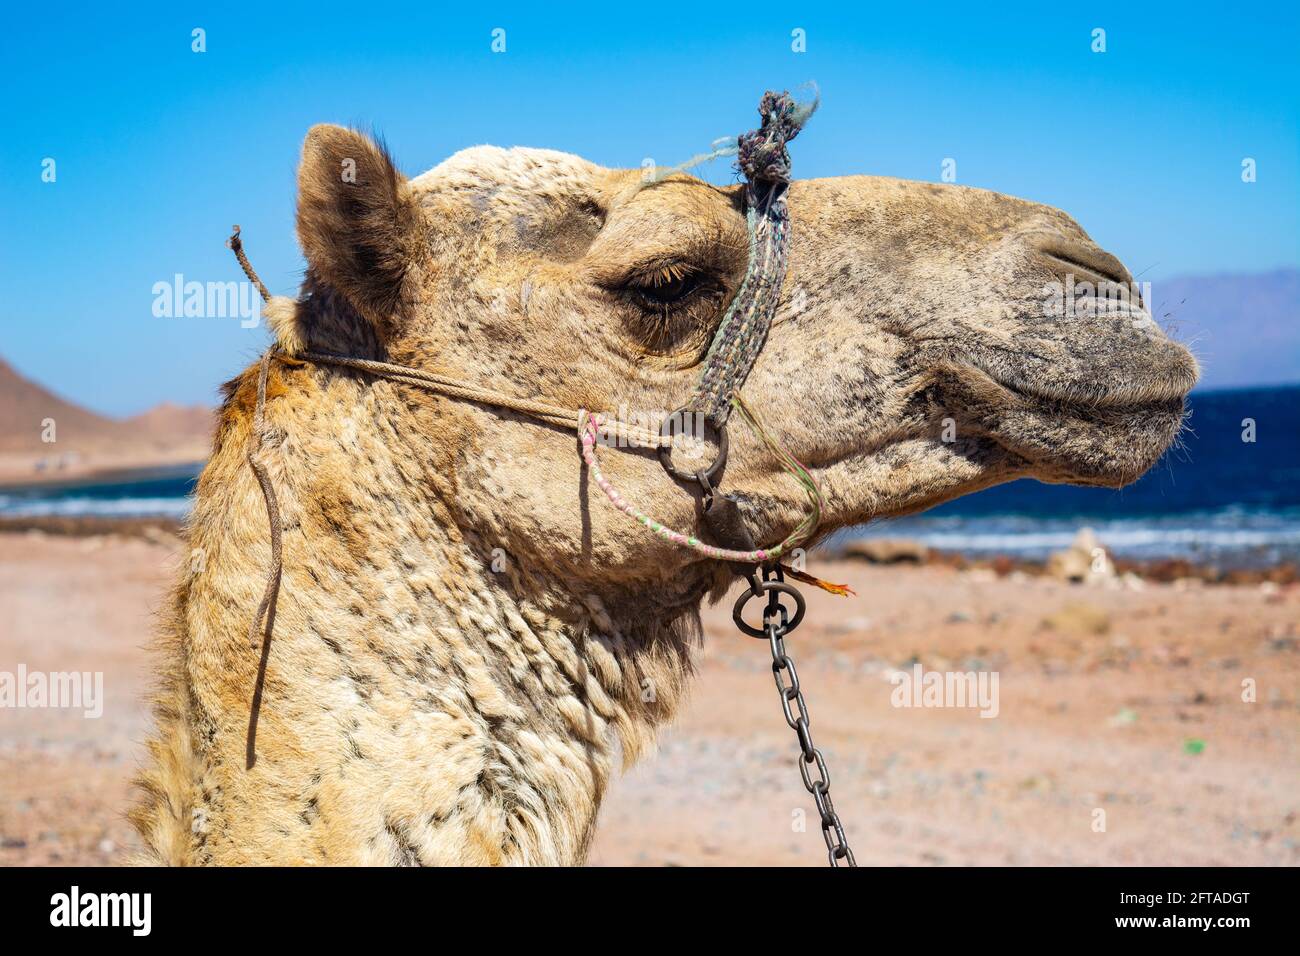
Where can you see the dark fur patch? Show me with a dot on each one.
(407, 853)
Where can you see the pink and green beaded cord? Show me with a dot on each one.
(588, 431)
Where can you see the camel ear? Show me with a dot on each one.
(356, 223)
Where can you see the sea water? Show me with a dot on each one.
(1216, 497)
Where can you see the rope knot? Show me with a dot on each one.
(762, 156)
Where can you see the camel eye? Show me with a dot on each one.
(673, 303)
(667, 285)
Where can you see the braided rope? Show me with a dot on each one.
(764, 161)
(256, 444)
(588, 437)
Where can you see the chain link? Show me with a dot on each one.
(776, 625)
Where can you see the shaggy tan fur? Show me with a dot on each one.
(469, 639)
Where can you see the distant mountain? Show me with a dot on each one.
(86, 442)
(1244, 328)
(24, 406)
(169, 422)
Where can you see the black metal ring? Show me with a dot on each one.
(778, 586)
(666, 430)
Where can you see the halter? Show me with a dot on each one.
(763, 160)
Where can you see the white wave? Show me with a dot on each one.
(1230, 536)
(22, 507)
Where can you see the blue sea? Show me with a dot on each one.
(1215, 499)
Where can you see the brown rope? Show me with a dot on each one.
(236, 245)
(257, 442)
(552, 414)
(564, 417)
(570, 418)
(272, 589)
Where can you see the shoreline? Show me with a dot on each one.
(1157, 570)
(19, 473)
(160, 528)
(109, 474)
(895, 552)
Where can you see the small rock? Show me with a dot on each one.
(1125, 716)
(1079, 618)
(1085, 561)
(885, 551)
(157, 535)
(1038, 783)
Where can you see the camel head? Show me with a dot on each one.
(464, 623)
(931, 340)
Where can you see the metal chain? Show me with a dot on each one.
(776, 625)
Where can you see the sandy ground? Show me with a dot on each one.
(1120, 707)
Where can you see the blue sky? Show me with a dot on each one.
(160, 149)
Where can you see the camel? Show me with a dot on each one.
(469, 641)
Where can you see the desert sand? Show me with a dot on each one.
(1119, 700)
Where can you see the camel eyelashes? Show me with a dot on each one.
(667, 290)
(669, 283)
(670, 272)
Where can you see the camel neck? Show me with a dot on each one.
(428, 690)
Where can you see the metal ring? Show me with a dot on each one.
(666, 451)
(777, 586)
